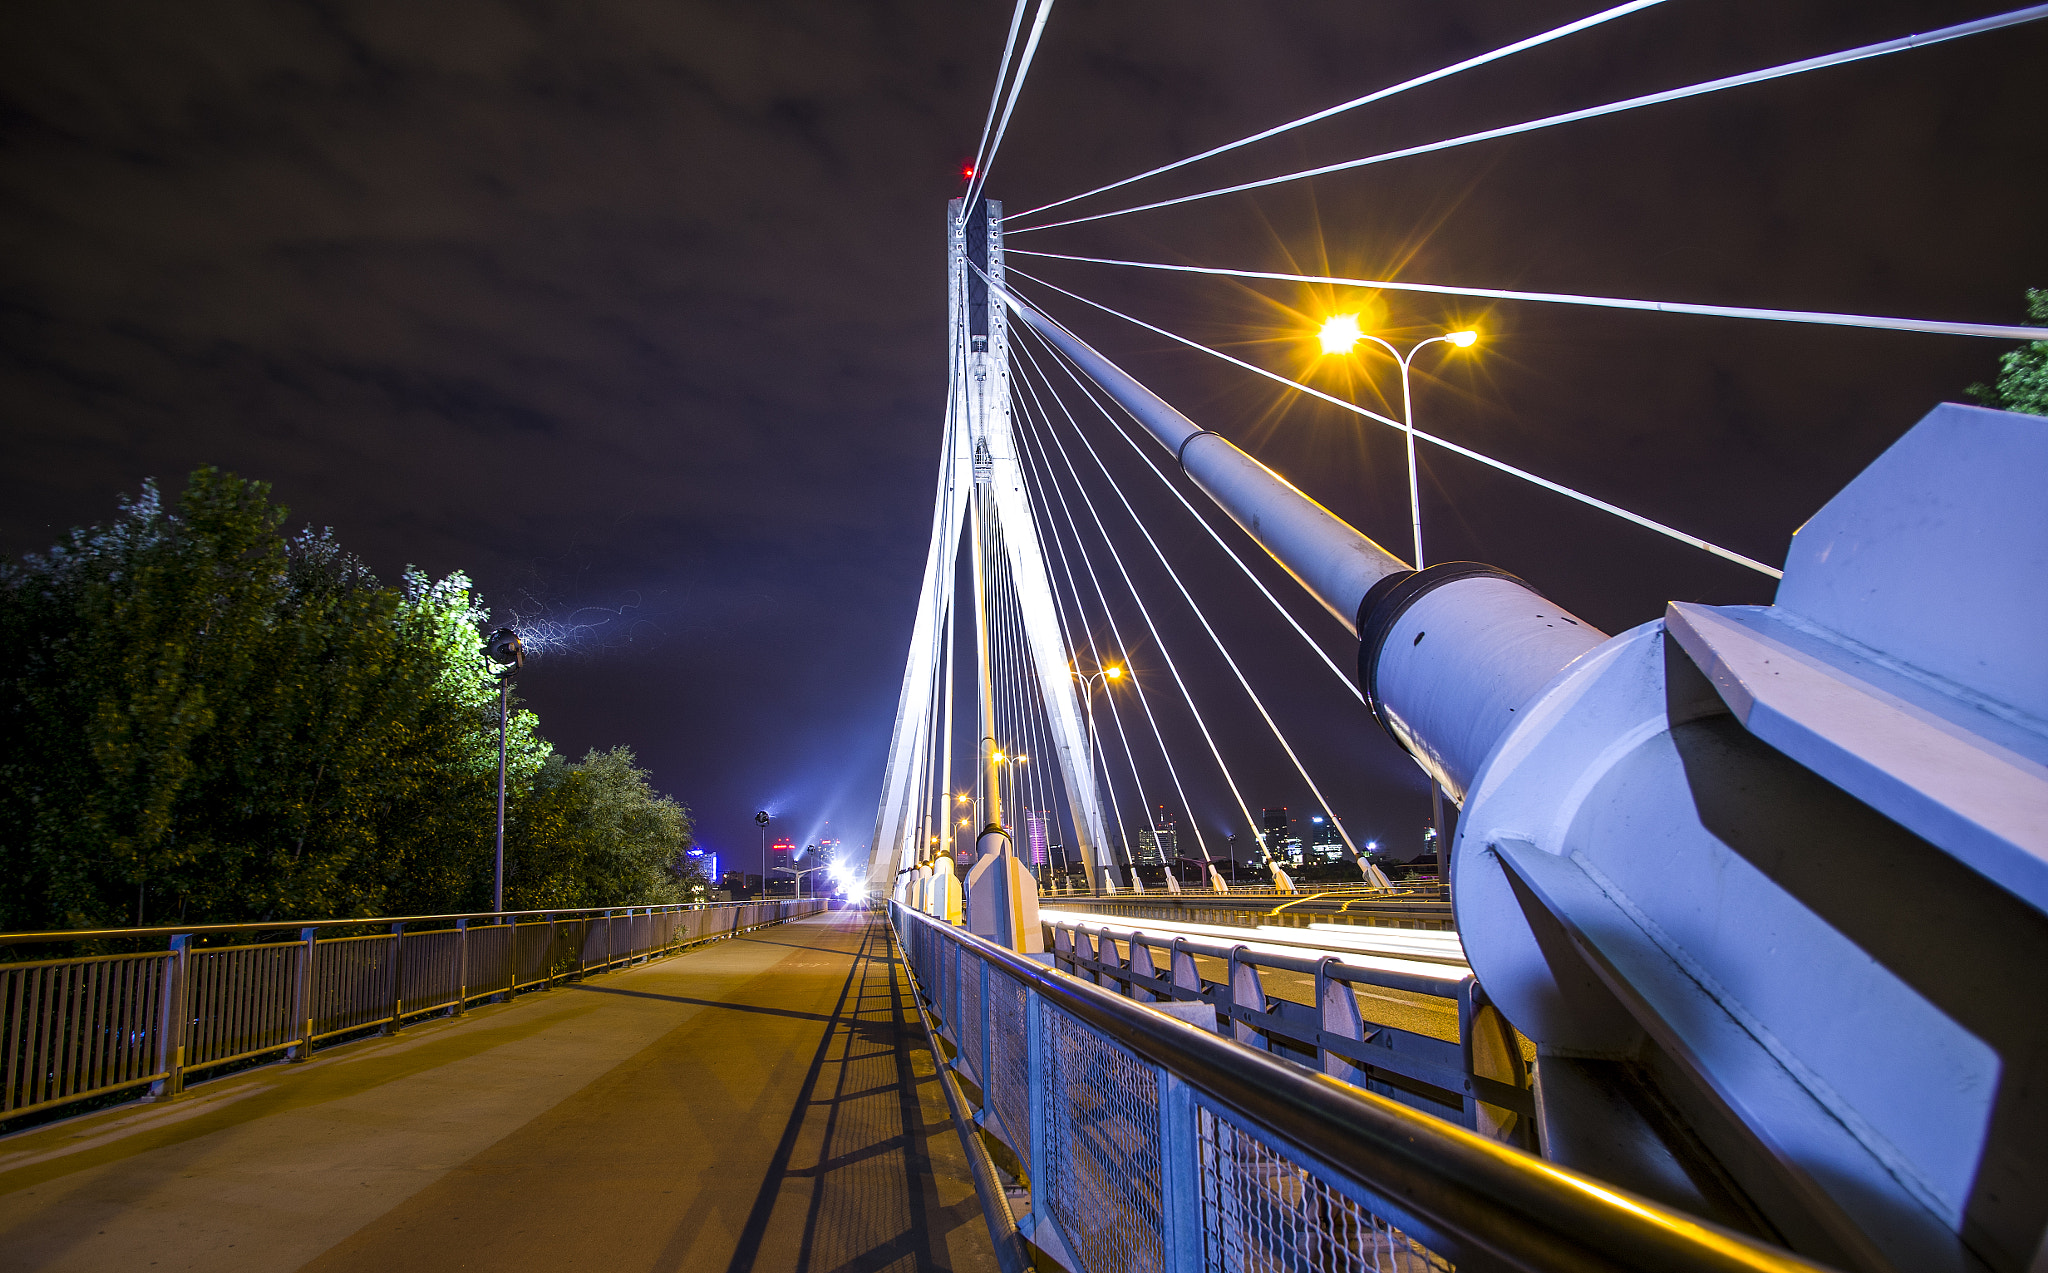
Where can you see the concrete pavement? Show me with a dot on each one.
(766, 1102)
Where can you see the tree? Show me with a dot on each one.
(2023, 373)
(598, 834)
(202, 720)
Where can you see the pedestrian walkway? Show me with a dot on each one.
(763, 1103)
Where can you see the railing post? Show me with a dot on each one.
(547, 981)
(1247, 991)
(986, 1077)
(512, 958)
(302, 1002)
(461, 966)
(397, 978)
(1337, 1014)
(1180, 1192)
(608, 956)
(173, 1023)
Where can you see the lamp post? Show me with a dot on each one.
(1104, 675)
(503, 648)
(1339, 336)
(761, 821)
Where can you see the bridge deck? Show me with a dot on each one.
(766, 1102)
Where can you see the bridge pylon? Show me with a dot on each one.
(981, 485)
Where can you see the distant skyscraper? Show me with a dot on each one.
(1158, 844)
(1034, 836)
(1325, 842)
(1274, 824)
(782, 853)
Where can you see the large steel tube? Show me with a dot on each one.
(1450, 656)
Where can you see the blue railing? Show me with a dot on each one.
(1143, 1142)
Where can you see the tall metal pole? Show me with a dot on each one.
(1091, 869)
(1436, 789)
(498, 867)
(1408, 427)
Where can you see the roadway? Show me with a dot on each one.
(767, 1102)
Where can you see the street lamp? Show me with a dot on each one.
(503, 648)
(1104, 675)
(1001, 763)
(1339, 335)
(1016, 821)
(761, 821)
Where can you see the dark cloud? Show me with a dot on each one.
(637, 309)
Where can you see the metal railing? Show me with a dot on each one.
(73, 1029)
(1147, 1143)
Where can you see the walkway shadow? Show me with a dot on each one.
(869, 1194)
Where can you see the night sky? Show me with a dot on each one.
(635, 312)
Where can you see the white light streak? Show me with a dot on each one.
(1928, 325)
(1518, 46)
(1016, 88)
(995, 96)
(2015, 18)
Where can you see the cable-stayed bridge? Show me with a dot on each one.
(1735, 958)
(1686, 855)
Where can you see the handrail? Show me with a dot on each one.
(171, 930)
(1498, 1205)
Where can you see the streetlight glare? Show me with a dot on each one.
(1022, 759)
(1463, 340)
(1340, 333)
(999, 755)
(1114, 673)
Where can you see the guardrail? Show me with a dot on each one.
(72, 1029)
(1480, 1079)
(1148, 1143)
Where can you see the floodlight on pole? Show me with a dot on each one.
(503, 648)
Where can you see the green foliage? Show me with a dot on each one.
(595, 833)
(2023, 373)
(202, 720)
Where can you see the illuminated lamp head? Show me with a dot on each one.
(1340, 333)
(1114, 673)
(1463, 340)
(503, 648)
